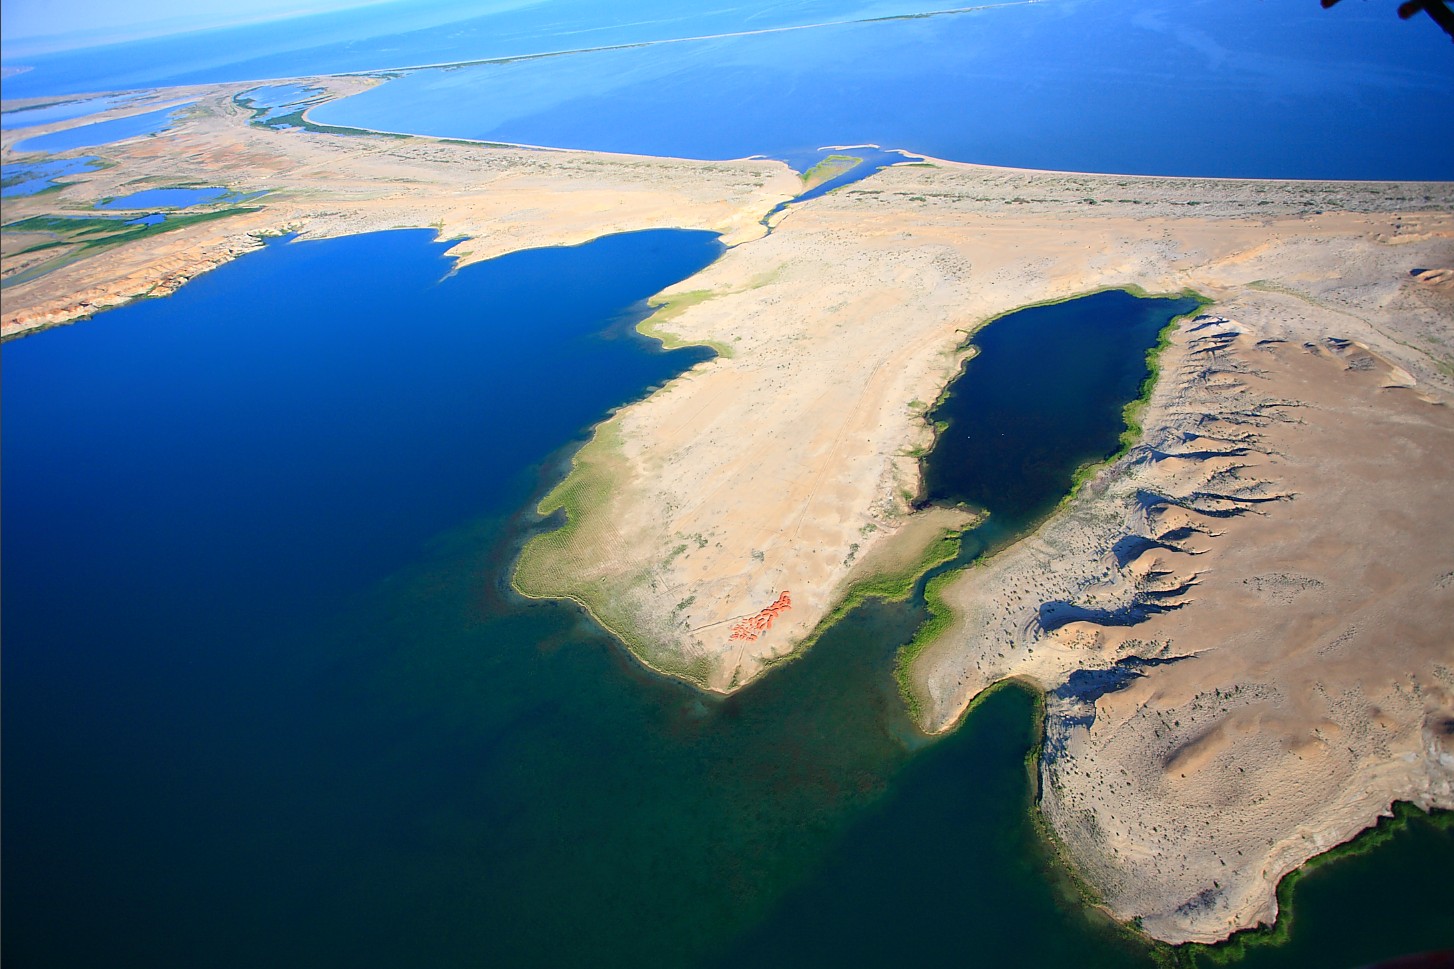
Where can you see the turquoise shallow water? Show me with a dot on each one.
(268, 699)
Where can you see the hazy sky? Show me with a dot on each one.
(100, 21)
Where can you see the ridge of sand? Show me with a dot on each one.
(718, 523)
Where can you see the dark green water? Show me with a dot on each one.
(1361, 909)
(268, 700)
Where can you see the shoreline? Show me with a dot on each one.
(939, 613)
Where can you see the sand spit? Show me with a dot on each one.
(1280, 537)
(495, 200)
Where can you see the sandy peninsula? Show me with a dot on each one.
(1283, 528)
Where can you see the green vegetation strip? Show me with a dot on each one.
(98, 232)
(548, 566)
(668, 308)
(829, 168)
(889, 587)
(296, 120)
(941, 617)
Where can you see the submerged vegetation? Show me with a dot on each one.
(668, 308)
(829, 168)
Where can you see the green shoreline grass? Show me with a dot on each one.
(667, 308)
(536, 575)
(895, 586)
(1190, 955)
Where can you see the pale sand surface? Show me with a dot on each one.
(714, 525)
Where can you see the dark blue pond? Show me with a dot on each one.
(1043, 396)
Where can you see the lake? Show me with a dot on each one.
(1009, 445)
(1170, 87)
(164, 198)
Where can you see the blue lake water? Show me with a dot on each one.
(1010, 445)
(1194, 88)
(383, 36)
(265, 681)
(21, 179)
(64, 111)
(101, 132)
(267, 698)
(165, 198)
